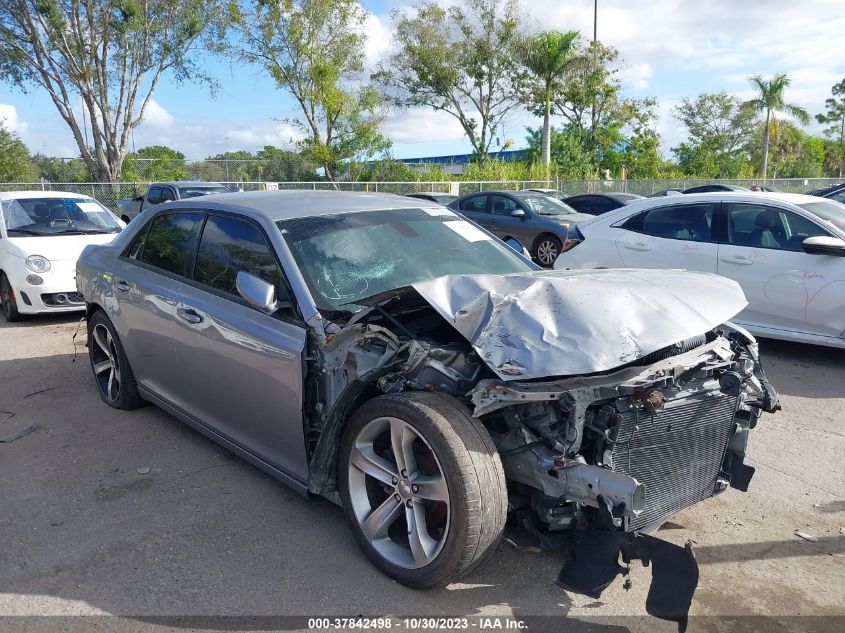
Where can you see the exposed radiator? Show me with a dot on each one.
(677, 453)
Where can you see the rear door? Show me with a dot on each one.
(673, 236)
(241, 369)
(786, 288)
(145, 285)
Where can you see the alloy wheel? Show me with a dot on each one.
(547, 252)
(105, 363)
(398, 493)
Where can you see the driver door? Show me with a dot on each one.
(786, 288)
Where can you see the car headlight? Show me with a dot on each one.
(38, 264)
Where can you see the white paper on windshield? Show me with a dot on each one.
(466, 230)
(438, 211)
(89, 207)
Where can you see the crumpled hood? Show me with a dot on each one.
(564, 323)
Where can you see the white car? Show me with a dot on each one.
(42, 234)
(786, 251)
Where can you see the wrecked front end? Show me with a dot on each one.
(611, 457)
(612, 405)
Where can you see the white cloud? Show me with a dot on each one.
(379, 41)
(10, 120)
(420, 125)
(156, 117)
(636, 77)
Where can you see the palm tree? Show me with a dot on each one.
(551, 56)
(770, 100)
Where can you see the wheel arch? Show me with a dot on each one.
(540, 237)
(322, 460)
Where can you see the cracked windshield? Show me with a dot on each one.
(348, 257)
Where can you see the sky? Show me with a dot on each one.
(670, 49)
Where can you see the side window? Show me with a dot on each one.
(500, 205)
(167, 194)
(154, 195)
(136, 247)
(634, 223)
(759, 226)
(478, 204)
(839, 197)
(228, 246)
(682, 222)
(169, 244)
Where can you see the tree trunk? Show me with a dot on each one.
(766, 145)
(547, 132)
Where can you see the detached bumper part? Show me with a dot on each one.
(594, 564)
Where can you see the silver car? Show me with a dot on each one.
(396, 358)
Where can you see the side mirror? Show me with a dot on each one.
(259, 293)
(824, 245)
(138, 198)
(518, 213)
(518, 247)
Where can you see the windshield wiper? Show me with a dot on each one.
(84, 231)
(25, 231)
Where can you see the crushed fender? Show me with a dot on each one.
(594, 564)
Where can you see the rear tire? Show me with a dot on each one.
(8, 301)
(115, 381)
(448, 484)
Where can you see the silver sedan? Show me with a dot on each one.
(398, 359)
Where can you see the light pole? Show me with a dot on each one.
(595, 20)
(227, 159)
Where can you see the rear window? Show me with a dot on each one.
(169, 244)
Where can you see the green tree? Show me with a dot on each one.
(792, 153)
(569, 159)
(16, 165)
(770, 99)
(280, 165)
(607, 124)
(835, 118)
(315, 50)
(156, 162)
(551, 57)
(718, 133)
(461, 60)
(62, 169)
(111, 54)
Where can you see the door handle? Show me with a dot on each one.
(638, 246)
(189, 314)
(737, 259)
(121, 285)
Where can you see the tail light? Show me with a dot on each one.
(573, 238)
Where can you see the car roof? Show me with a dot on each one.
(186, 183)
(298, 203)
(823, 191)
(726, 196)
(12, 195)
(430, 193)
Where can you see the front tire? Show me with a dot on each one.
(115, 381)
(422, 487)
(547, 250)
(8, 302)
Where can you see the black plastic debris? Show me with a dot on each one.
(594, 564)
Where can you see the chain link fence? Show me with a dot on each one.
(109, 193)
